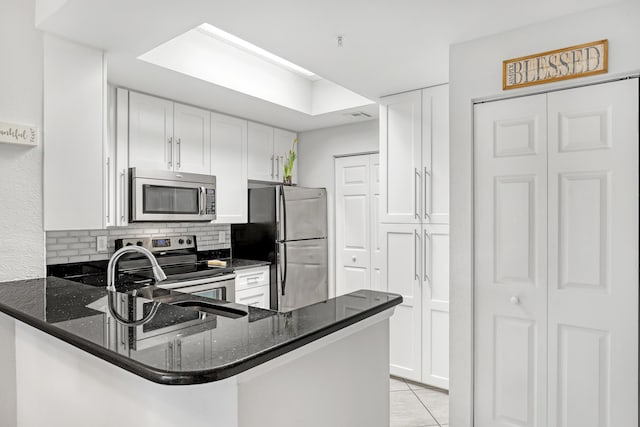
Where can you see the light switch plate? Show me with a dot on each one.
(222, 237)
(101, 243)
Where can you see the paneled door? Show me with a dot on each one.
(353, 223)
(192, 139)
(593, 256)
(511, 263)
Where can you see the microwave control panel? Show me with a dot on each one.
(210, 207)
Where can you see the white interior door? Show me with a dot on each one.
(435, 305)
(593, 256)
(353, 224)
(401, 271)
(192, 134)
(511, 263)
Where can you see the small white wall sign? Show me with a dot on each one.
(18, 134)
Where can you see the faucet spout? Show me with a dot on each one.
(158, 273)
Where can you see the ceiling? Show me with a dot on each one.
(388, 46)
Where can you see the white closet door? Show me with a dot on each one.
(593, 256)
(435, 305)
(401, 271)
(353, 227)
(511, 263)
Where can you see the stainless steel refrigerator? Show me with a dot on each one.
(287, 226)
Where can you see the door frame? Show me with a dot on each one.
(470, 329)
(334, 216)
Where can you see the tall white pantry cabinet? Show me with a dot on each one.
(414, 217)
(556, 258)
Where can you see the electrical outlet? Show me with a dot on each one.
(101, 243)
(222, 237)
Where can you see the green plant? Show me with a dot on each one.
(288, 164)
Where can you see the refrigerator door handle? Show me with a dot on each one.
(283, 213)
(282, 256)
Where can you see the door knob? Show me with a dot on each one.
(353, 259)
(514, 300)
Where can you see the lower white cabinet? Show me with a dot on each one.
(252, 286)
(415, 264)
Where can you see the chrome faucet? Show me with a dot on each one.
(111, 268)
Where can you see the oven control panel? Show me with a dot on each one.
(159, 244)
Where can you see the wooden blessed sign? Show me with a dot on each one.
(18, 134)
(562, 64)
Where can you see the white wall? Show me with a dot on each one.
(22, 248)
(317, 150)
(475, 73)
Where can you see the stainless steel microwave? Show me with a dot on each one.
(171, 196)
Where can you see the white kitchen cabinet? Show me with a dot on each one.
(150, 132)
(414, 216)
(75, 123)
(261, 158)
(117, 161)
(229, 163)
(556, 258)
(253, 286)
(414, 153)
(164, 135)
(282, 143)
(268, 150)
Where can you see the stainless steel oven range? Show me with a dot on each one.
(177, 255)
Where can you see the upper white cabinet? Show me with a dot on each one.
(268, 150)
(414, 148)
(75, 161)
(229, 164)
(168, 136)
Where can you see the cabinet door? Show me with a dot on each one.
(401, 247)
(192, 139)
(262, 161)
(511, 263)
(353, 224)
(435, 305)
(74, 122)
(121, 174)
(282, 143)
(401, 160)
(435, 155)
(229, 165)
(593, 255)
(256, 297)
(150, 132)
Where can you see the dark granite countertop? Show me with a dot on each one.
(179, 345)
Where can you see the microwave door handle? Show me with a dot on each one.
(202, 200)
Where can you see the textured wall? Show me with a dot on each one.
(22, 248)
(80, 246)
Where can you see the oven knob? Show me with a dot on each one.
(188, 241)
(139, 243)
(129, 244)
(181, 241)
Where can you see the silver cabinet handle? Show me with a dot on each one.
(108, 189)
(427, 194)
(170, 152)
(353, 259)
(179, 155)
(417, 181)
(272, 167)
(123, 192)
(427, 257)
(277, 166)
(418, 254)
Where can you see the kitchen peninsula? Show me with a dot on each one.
(76, 364)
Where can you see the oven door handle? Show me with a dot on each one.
(192, 289)
(205, 281)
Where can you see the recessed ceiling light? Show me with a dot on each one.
(222, 35)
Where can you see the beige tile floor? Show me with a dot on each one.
(414, 405)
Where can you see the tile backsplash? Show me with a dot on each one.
(80, 245)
